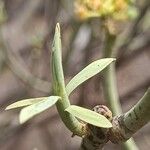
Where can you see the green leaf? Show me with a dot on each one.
(89, 116)
(57, 70)
(88, 72)
(25, 102)
(32, 110)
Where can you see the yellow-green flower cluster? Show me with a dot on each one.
(116, 9)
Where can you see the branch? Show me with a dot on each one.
(98, 137)
(124, 126)
(139, 115)
(110, 85)
(109, 81)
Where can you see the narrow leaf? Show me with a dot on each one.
(89, 116)
(25, 102)
(57, 69)
(32, 110)
(88, 72)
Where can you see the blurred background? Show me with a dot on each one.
(26, 33)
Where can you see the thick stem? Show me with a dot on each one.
(126, 125)
(139, 115)
(110, 85)
(109, 82)
(59, 88)
(110, 91)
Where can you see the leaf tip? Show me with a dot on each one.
(9, 107)
(57, 29)
(22, 119)
(109, 125)
(113, 59)
(110, 59)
